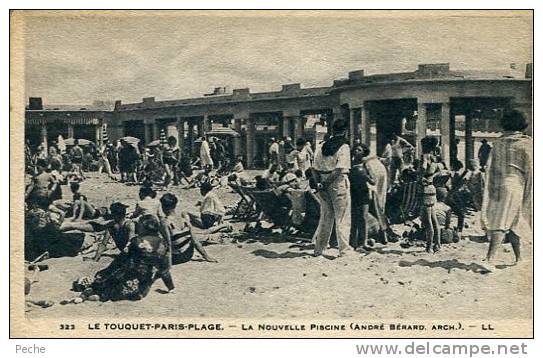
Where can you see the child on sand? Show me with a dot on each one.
(475, 183)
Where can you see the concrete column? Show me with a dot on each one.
(336, 114)
(249, 148)
(148, 133)
(202, 126)
(156, 131)
(298, 128)
(180, 133)
(329, 120)
(421, 126)
(285, 128)
(190, 136)
(469, 139)
(70, 131)
(237, 124)
(238, 120)
(237, 146)
(98, 135)
(445, 127)
(206, 124)
(44, 136)
(353, 125)
(526, 109)
(365, 125)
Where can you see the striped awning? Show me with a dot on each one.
(72, 121)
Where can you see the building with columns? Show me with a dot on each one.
(44, 123)
(433, 99)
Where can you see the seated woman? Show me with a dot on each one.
(240, 173)
(131, 274)
(272, 173)
(211, 212)
(178, 234)
(148, 204)
(155, 171)
(290, 180)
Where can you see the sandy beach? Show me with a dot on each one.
(273, 278)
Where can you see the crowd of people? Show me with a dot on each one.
(354, 191)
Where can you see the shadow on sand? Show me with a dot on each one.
(274, 255)
(268, 238)
(385, 251)
(481, 239)
(447, 265)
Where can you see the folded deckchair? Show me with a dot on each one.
(404, 202)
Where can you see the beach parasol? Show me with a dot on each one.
(154, 143)
(130, 140)
(71, 141)
(163, 140)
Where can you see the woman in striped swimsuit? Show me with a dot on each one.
(428, 169)
(179, 235)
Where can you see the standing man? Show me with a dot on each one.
(394, 152)
(76, 154)
(274, 152)
(484, 154)
(104, 161)
(281, 152)
(303, 156)
(331, 169)
(361, 196)
(309, 150)
(171, 158)
(205, 154)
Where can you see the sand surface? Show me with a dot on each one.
(271, 278)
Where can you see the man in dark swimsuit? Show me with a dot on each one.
(120, 229)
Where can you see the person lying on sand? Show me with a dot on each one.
(118, 228)
(82, 209)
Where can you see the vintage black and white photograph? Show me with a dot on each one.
(272, 173)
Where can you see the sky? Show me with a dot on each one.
(79, 59)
